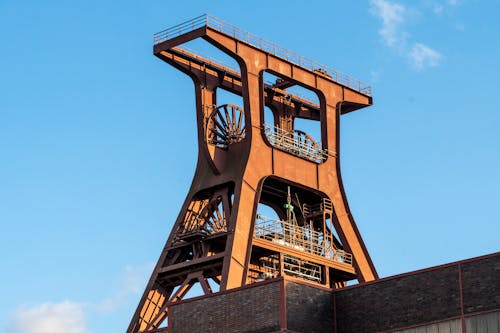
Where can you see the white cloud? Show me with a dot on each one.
(392, 15)
(438, 9)
(65, 317)
(135, 278)
(423, 56)
(133, 282)
(375, 75)
(460, 26)
(69, 317)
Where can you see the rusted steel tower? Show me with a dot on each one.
(219, 239)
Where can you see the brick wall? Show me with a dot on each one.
(308, 309)
(247, 310)
(424, 299)
(399, 302)
(481, 285)
(420, 297)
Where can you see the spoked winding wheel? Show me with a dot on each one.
(225, 126)
(214, 217)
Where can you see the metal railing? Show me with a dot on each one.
(302, 268)
(270, 47)
(181, 28)
(299, 238)
(292, 266)
(294, 94)
(324, 206)
(295, 143)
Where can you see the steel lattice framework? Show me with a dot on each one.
(219, 240)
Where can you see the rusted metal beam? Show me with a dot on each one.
(239, 166)
(230, 80)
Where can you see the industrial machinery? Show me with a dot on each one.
(220, 240)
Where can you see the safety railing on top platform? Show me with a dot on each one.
(270, 47)
(180, 29)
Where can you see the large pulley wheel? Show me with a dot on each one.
(225, 126)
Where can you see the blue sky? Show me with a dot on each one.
(97, 140)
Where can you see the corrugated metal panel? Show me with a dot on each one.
(451, 326)
(455, 326)
(446, 327)
(487, 323)
(432, 328)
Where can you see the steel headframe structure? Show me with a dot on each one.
(219, 240)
